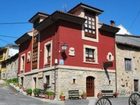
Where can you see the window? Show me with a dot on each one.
(47, 54)
(90, 54)
(48, 80)
(128, 64)
(28, 56)
(90, 26)
(22, 66)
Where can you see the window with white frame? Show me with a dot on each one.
(29, 56)
(47, 54)
(128, 64)
(90, 25)
(22, 62)
(90, 54)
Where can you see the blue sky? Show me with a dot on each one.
(125, 12)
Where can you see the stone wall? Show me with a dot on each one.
(125, 78)
(61, 80)
(66, 76)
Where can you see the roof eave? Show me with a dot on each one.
(85, 6)
(31, 20)
(109, 28)
(127, 44)
(60, 16)
(23, 38)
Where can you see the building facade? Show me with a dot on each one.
(12, 67)
(68, 51)
(127, 61)
(5, 53)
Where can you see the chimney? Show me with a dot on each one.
(112, 23)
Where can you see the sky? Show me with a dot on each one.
(125, 12)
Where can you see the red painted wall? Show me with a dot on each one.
(71, 34)
(46, 35)
(23, 49)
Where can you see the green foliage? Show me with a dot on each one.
(49, 93)
(36, 91)
(14, 80)
(29, 91)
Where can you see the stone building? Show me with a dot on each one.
(5, 53)
(68, 51)
(12, 67)
(127, 64)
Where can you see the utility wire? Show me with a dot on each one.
(133, 22)
(8, 36)
(13, 23)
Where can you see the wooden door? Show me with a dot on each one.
(90, 86)
(136, 83)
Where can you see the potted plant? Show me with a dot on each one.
(84, 95)
(47, 94)
(36, 92)
(62, 96)
(29, 91)
(51, 95)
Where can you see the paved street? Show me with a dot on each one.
(8, 96)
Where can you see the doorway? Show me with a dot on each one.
(90, 86)
(136, 84)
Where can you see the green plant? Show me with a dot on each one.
(29, 91)
(62, 94)
(51, 93)
(36, 91)
(47, 92)
(14, 80)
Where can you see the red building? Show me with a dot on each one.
(68, 51)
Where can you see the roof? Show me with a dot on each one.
(109, 28)
(87, 7)
(128, 40)
(12, 58)
(123, 30)
(38, 14)
(59, 15)
(23, 38)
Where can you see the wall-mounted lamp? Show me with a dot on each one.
(64, 47)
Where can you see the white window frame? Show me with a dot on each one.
(45, 53)
(96, 32)
(28, 56)
(21, 62)
(95, 54)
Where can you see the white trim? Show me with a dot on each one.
(96, 54)
(66, 67)
(97, 33)
(21, 62)
(38, 59)
(29, 56)
(83, 68)
(47, 43)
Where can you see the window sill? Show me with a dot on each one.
(90, 62)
